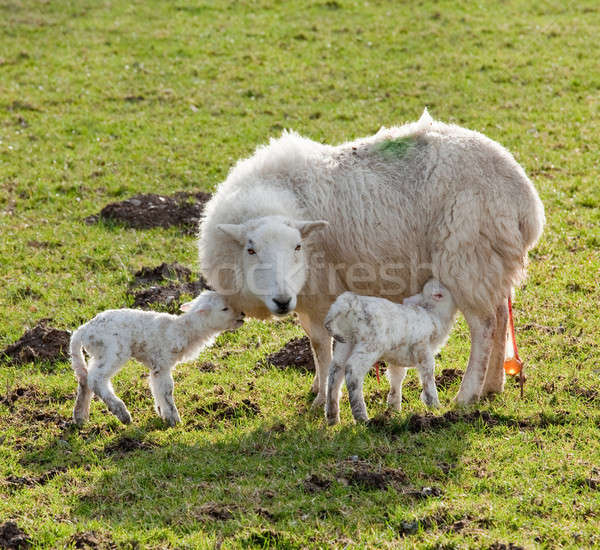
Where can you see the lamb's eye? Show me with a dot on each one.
(225, 309)
(251, 251)
(298, 247)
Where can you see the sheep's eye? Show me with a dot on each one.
(225, 309)
(251, 251)
(298, 247)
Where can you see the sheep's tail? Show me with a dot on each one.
(77, 359)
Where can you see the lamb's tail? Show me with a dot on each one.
(77, 359)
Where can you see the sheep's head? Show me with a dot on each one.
(273, 258)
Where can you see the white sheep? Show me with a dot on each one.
(159, 340)
(423, 200)
(368, 329)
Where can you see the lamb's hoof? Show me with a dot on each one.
(429, 401)
(362, 419)
(394, 404)
(123, 415)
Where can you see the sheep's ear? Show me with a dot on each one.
(186, 306)
(236, 232)
(306, 227)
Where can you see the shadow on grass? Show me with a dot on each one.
(262, 482)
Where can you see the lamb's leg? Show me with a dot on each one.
(426, 369)
(337, 370)
(162, 385)
(101, 370)
(482, 329)
(396, 376)
(357, 366)
(494, 377)
(81, 411)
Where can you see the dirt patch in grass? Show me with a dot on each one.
(168, 297)
(575, 389)
(18, 482)
(214, 511)
(367, 476)
(178, 282)
(424, 422)
(144, 211)
(315, 483)
(148, 276)
(41, 343)
(447, 377)
(12, 537)
(221, 410)
(91, 539)
(126, 444)
(296, 353)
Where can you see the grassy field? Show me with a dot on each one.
(103, 100)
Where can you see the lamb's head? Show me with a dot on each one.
(434, 296)
(214, 311)
(273, 259)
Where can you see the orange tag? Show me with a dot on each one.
(513, 366)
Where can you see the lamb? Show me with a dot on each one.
(368, 329)
(299, 222)
(159, 340)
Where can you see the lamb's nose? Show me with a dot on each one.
(282, 303)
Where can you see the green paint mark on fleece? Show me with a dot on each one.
(396, 147)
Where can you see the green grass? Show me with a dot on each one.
(102, 100)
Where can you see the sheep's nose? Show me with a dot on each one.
(282, 303)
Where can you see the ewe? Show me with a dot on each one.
(419, 201)
(159, 340)
(368, 329)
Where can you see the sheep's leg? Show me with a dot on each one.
(320, 342)
(101, 370)
(81, 411)
(162, 386)
(357, 366)
(334, 384)
(482, 329)
(494, 377)
(396, 376)
(426, 369)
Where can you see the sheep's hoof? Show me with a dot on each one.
(362, 419)
(318, 402)
(173, 421)
(80, 420)
(464, 400)
(332, 419)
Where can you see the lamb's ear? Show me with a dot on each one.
(307, 227)
(236, 232)
(188, 306)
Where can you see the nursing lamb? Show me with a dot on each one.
(368, 329)
(159, 340)
(414, 202)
